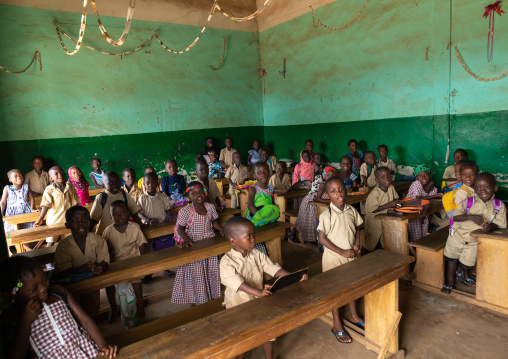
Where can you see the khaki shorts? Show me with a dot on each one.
(465, 253)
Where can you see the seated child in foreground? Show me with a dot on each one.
(242, 268)
(380, 199)
(338, 233)
(384, 161)
(41, 321)
(236, 175)
(482, 211)
(81, 254)
(37, 179)
(449, 173)
(125, 240)
(280, 180)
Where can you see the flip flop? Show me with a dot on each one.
(343, 334)
(459, 277)
(470, 282)
(360, 325)
(446, 289)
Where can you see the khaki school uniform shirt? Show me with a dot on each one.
(236, 175)
(462, 194)
(69, 255)
(462, 230)
(449, 172)
(227, 156)
(340, 228)
(154, 207)
(37, 183)
(377, 197)
(103, 215)
(124, 245)
(389, 164)
(213, 191)
(59, 202)
(236, 269)
(371, 180)
(276, 182)
(134, 193)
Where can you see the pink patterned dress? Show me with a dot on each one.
(56, 335)
(197, 282)
(418, 228)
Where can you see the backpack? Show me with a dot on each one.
(177, 237)
(470, 203)
(410, 206)
(269, 213)
(104, 198)
(449, 199)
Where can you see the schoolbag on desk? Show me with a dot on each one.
(470, 203)
(410, 206)
(104, 198)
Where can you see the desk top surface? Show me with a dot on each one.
(501, 234)
(435, 206)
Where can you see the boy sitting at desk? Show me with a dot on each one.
(242, 268)
(482, 211)
(338, 233)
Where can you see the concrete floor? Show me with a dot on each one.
(432, 326)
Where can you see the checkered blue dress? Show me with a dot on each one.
(17, 203)
(197, 282)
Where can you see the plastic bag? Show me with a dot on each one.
(128, 308)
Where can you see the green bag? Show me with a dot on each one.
(269, 213)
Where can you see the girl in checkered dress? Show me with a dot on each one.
(40, 320)
(198, 282)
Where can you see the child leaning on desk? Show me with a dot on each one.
(338, 233)
(242, 268)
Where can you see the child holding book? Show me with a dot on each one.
(338, 233)
(37, 179)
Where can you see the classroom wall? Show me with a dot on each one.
(130, 111)
(373, 82)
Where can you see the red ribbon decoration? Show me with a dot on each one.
(490, 11)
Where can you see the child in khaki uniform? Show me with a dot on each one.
(337, 232)
(482, 211)
(468, 171)
(37, 179)
(368, 168)
(236, 175)
(384, 161)
(280, 180)
(130, 187)
(242, 268)
(226, 154)
(382, 197)
(449, 173)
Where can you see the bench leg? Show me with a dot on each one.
(395, 236)
(429, 267)
(381, 306)
(273, 247)
(281, 203)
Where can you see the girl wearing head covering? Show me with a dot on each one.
(79, 182)
(423, 187)
(306, 221)
(304, 171)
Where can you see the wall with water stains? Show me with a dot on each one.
(390, 77)
(130, 111)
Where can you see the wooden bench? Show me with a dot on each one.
(281, 199)
(222, 184)
(154, 262)
(395, 232)
(92, 191)
(231, 332)
(42, 255)
(429, 266)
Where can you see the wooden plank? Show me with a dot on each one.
(160, 229)
(499, 234)
(92, 191)
(41, 255)
(154, 262)
(434, 241)
(239, 329)
(30, 217)
(395, 236)
(34, 234)
(281, 200)
(389, 335)
(221, 183)
(429, 267)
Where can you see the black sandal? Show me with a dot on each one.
(446, 289)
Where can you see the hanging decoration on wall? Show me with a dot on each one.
(128, 19)
(319, 22)
(37, 56)
(490, 12)
(223, 53)
(483, 79)
(245, 18)
(81, 32)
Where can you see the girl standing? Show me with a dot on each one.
(79, 182)
(356, 156)
(198, 282)
(17, 199)
(41, 319)
(97, 173)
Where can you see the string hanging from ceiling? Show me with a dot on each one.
(223, 53)
(37, 56)
(128, 19)
(483, 79)
(319, 22)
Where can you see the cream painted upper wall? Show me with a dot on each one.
(185, 12)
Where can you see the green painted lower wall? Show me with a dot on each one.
(122, 151)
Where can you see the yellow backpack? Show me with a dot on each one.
(449, 198)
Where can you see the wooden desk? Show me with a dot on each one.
(93, 191)
(234, 331)
(395, 234)
(132, 268)
(281, 199)
(41, 255)
(221, 183)
(290, 170)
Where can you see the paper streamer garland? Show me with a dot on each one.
(340, 28)
(223, 53)
(123, 37)
(81, 32)
(245, 18)
(490, 12)
(37, 56)
(483, 79)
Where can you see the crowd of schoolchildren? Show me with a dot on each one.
(47, 322)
